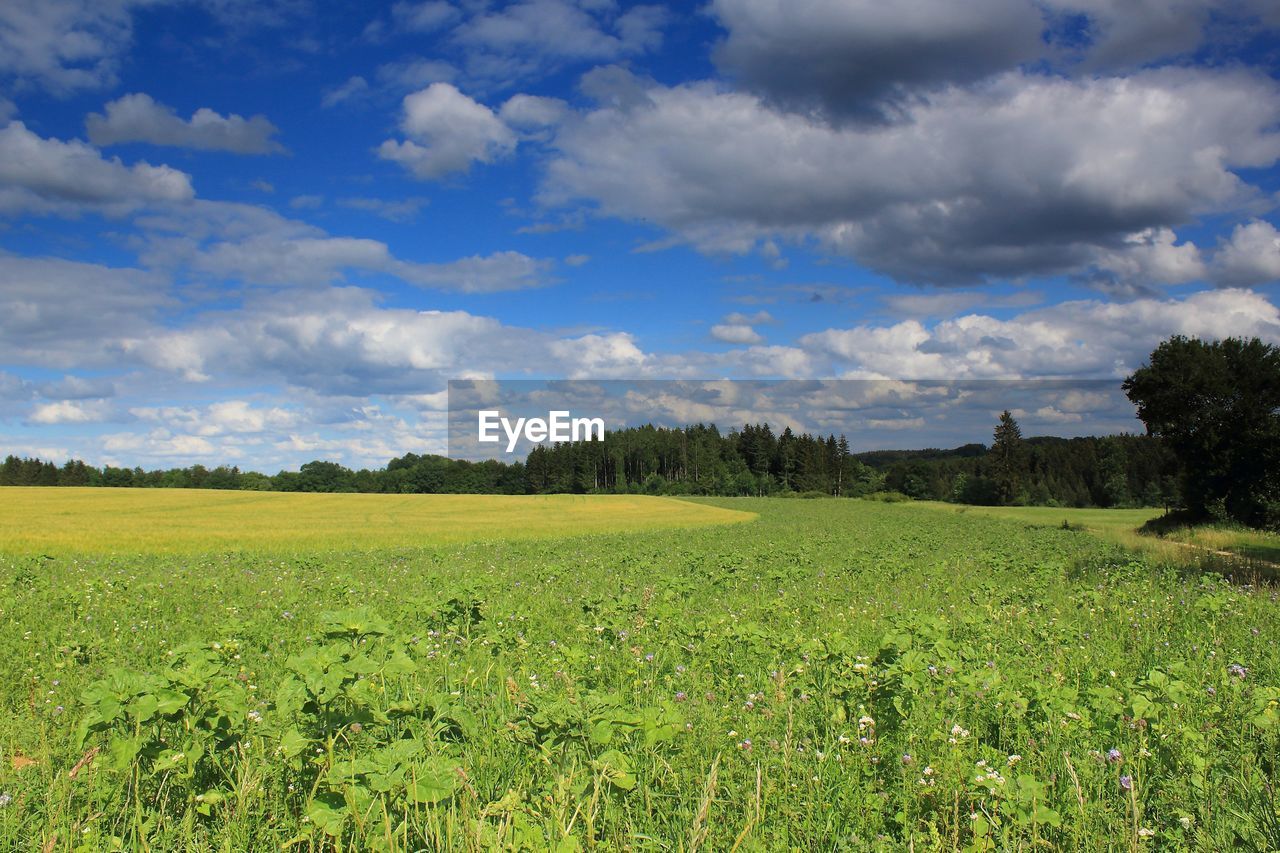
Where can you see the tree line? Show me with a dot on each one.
(701, 460)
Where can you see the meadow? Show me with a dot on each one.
(830, 675)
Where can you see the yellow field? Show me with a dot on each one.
(58, 520)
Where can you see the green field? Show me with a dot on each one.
(1186, 546)
(832, 675)
(154, 521)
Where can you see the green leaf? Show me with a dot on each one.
(1046, 815)
(292, 743)
(170, 701)
(328, 812)
(616, 769)
(144, 707)
(433, 781)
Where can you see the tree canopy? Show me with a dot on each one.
(1217, 406)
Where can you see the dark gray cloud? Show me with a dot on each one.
(864, 58)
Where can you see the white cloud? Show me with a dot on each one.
(70, 412)
(221, 418)
(736, 333)
(737, 317)
(337, 341)
(50, 176)
(447, 131)
(423, 17)
(534, 37)
(65, 314)
(160, 444)
(1251, 256)
(1024, 175)
(1082, 338)
(392, 210)
(531, 112)
(64, 45)
(77, 388)
(353, 87)
(414, 72)
(257, 246)
(138, 118)
(1151, 257)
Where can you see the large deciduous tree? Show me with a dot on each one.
(1217, 406)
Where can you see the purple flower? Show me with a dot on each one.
(1114, 756)
(1237, 670)
(680, 697)
(1126, 783)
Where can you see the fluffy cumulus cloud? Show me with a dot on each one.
(739, 328)
(1023, 175)
(336, 341)
(138, 118)
(1251, 256)
(1082, 338)
(42, 175)
(228, 417)
(447, 132)
(70, 412)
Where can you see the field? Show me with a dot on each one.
(1249, 550)
(832, 675)
(152, 521)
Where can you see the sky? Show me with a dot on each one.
(261, 232)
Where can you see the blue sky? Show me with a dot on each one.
(259, 233)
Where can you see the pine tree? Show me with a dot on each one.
(1008, 458)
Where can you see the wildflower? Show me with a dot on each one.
(649, 657)
(357, 728)
(681, 696)
(5, 799)
(1126, 783)
(1146, 833)
(1114, 756)
(745, 745)
(1211, 691)
(907, 759)
(1187, 821)
(1237, 670)
(1014, 759)
(254, 717)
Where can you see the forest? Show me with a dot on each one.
(1112, 471)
